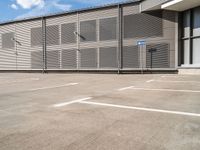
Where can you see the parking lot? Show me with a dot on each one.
(99, 112)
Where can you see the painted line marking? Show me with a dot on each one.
(177, 81)
(125, 88)
(170, 76)
(142, 109)
(71, 102)
(22, 80)
(167, 90)
(150, 81)
(3, 111)
(52, 87)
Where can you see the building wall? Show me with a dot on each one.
(7, 55)
(165, 21)
(148, 5)
(98, 51)
(28, 57)
(19, 57)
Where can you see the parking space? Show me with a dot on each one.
(99, 111)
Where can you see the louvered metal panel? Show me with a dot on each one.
(143, 25)
(108, 29)
(88, 31)
(36, 36)
(88, 58)
(68, 35)
(108, 57)
(7, 55)
(131, 57)
(29, 37)
(36, 60)
(53, 59)
(8, 40)
(69, 59)
(52, 35)
(159, 58)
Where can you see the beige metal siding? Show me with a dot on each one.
(7, 55)
(152, 4)
(97, 15)
(61, 47)
(168, 36)
(28, 57)
(89, 54)
(78, 18)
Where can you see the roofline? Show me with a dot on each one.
(71, 12)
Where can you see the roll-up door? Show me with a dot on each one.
(131, 57)
(157, 55)
(88, 58)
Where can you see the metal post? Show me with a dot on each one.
(120, 40)
(142, 47)
(151, 60)
(44, 44)
(16, 53)
(78, 39)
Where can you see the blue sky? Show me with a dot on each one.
(17, 9)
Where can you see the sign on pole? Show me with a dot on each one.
(140, 43)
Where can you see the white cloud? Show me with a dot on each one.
(13, 6)
(49, 6)
(61, 6)
(27, 4)
(44, 7)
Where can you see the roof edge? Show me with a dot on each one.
(70, 12)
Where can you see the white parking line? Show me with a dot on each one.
(142, 109)
(166, 90)
(71, 102)
(21, 80)
(3, 111)
(52, 87)
(177, 81)
(170, 76)
(125, 88)
(149, 81)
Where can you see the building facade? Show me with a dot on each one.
(134, 36)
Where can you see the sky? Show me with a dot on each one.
(18, 9)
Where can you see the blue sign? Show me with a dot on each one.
(141, 43)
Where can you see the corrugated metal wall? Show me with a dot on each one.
(106, 38)
(155, 28)
(62, 52)
(29, 45)
(21, 52)
(89, 41)
(7, 51)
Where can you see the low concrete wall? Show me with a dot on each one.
(189, 71)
